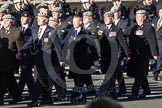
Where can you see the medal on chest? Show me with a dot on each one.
(45, 40)
(139, 32)
(112, 34)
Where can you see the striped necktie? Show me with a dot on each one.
(39, 31)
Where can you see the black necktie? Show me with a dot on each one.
(23, 28)
(107, 27)
(75, 33)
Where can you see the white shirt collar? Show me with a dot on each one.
(1, 24)
(87, 25)
(116, 21)
(78, 29)
(25, 26)
(109, 26)
(160, 21)
(43, 29)
(140, 24)
(7, 28)
(43, 26)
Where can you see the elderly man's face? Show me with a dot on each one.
(87, 19)
(52, 24)
(42, 21)
(7, 23)
(140, 18)
(108, 20)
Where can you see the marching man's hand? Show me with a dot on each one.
(18, 56)
(117, 3)
(127, 58)
(155, 57)
(100, 32)
(62, 64)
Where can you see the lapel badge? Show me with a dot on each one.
(112, 34)
(47, 30)
(49, 34)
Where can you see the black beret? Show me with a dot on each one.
(26, 14)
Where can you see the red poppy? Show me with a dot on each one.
(47, 30)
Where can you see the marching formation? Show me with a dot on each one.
(45, 38)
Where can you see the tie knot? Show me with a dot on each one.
(75, 31)
(107, 27)
(23, 28)
(39, 31)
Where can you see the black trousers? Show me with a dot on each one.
(108, 88)
(158, 64)
(79, 83)
(61, 91)
(8, 81)
(140, 82)
(26, 77)
(120, 77)
(41, 85)
(89, 84)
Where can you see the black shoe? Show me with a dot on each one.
(122, 92)
(15, 100)
(46, 102)
(79, 100)
(33, 104)
(148, 92)
(156, 78)
(27, 98)
(59, 98)
(12, 102)
(144, 94)
(1, 103)
(132, 97)
(93, 92)
(155, 75)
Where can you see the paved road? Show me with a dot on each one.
(152, 101)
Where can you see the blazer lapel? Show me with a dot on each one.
(119, 23)
(82, 31)
(35, 33)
